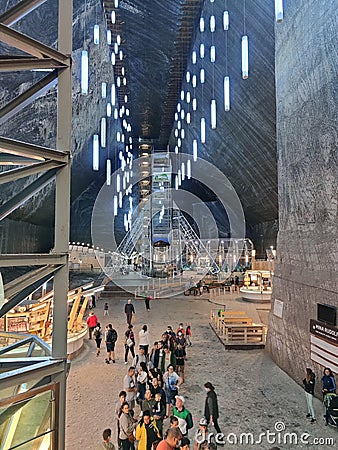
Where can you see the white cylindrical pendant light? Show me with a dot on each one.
(179, 142)
(176, 182)
(113, 58)
(188, 169)
(182, 114)
(188, 97)
(187, 77)
(179, 177)
(176, 132)
(183, 171)
(96, 152)
(202, 76)
(108, 172)
(245, 57)
(116, 4)
(84, 72)
(118, 136)
(203, 130)
(201, 24)
(194, 149)
(115, 205)
(188, 118)
(120, 199)
(212, 54)
(108, 110)
(176, 149)
(176, 116)
(96, 34)
(108, 37)
(279, 10)
(182, 134)
(113, 17)
(118, 183)
(179, 125)
(113, 94)
(121, 55)
(213, 114)
(225, 20)
(116, 113)
(226, 94)
(194, 81)
(194, 104)
(118, 81)
(212, 24)
(118, 39)
(104, 90)
(116, 48)
(182, 95)
(178, 107)
(202, 51)
(194, 57)
(103, 132)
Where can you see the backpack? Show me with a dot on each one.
(113, 335)
(97, 334)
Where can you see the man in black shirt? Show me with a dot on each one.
(129, 311)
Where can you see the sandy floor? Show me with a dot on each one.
(255, 396)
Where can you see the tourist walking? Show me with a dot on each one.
(98, 337)
(129, 311)
(147, 298)
(144, 339)
(146, 432)
(172, 383)
(329, 383)
(211, 412)
(110, 338)
(129, 344)
(106, 309)
(106, 444)
(91, 322)
(183, 414)
(309, 386)
(126, 423)
(129, 385)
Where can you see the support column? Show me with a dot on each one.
(62, 207)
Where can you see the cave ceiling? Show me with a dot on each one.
(158, 38)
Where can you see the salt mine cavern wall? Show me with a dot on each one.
(307, 138)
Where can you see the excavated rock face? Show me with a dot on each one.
(243, 144)
(307, 263)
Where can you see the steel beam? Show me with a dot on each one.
(31, 151)
(28, 45)
(12, 108)
(15, 174)
(26, 63)
(26, 374)
(32, 259)
(21, 197)
(19, 11)
(13, 160)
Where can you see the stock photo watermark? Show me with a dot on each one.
(279, 436)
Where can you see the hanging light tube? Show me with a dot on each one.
(201, 24)
(212, 24)
(194, 104)
(188, 118)
(103, 132)
(115, 205)
(188, 169)
(188, 97)
(176, 182)
(225, 20)
(104, 90)
(226, 94)
(245, 57)
(213, 114)
(116, 4)
(194, 81)
(84, 72)
(118, 39)
(279, 10)
(118, 182)
(202, 130)
(194, 149)
(212, 54)
(182, 95)
(108, 172)
(202, 51)
(108, 110)
(96, 152)
(113, 58)
(187, 77)
(113, 17)
(113, 94)
(120, 199)
(96, 34)
(108, 37)
(183, 171)
(202, 76)
(194, 57)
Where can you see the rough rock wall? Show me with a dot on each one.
(306, 93)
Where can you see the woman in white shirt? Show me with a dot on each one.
(144, 339)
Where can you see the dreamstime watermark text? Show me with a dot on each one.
(279, 436)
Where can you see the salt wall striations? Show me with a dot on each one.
(306, 97)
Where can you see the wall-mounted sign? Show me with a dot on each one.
(162, 176)
(278, 308)
(327, 332)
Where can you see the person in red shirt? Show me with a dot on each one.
(171, 441)
(91, 322)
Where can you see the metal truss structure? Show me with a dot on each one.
(25, 377)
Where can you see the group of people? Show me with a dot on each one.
(151, 394)
(328, 387)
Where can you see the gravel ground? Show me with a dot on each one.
(255, 396)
